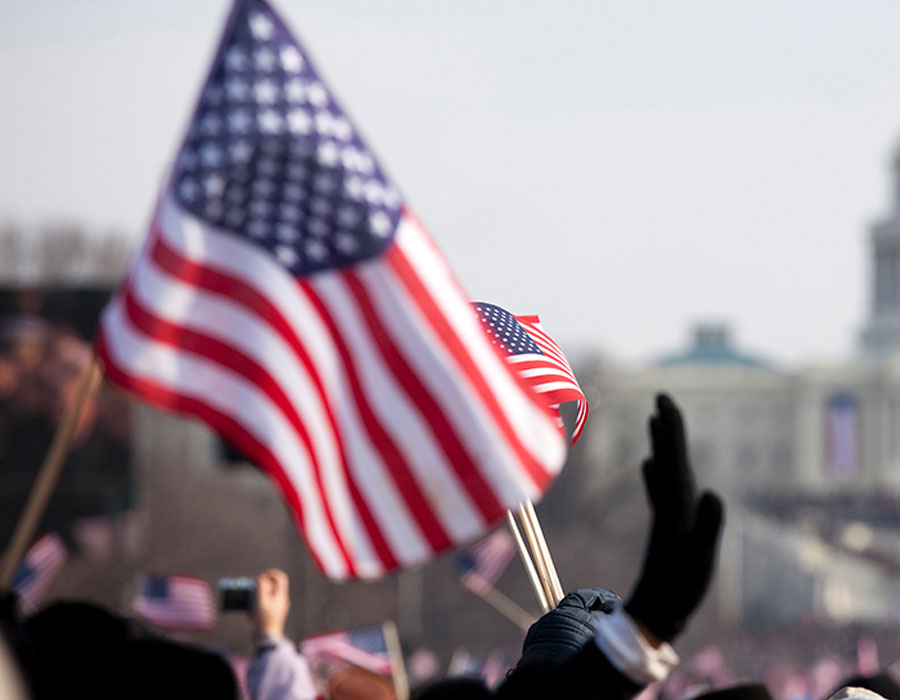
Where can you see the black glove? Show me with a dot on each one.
(680, 555)
(564, 630)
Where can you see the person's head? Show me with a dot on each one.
(82, 650)
(23, 339)
(561, 632)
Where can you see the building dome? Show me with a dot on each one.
(711, 345)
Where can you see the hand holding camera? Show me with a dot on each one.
(273, 603)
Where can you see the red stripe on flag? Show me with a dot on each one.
(532, 361)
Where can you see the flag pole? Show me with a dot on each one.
(538, 555)
(555, 585)
(532, 565)
(503, 604)
(48, 476)
(395, 652)
(527, 562)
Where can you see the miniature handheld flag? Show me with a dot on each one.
(176, 602)
(39, 567)
(484, 562)
(287, 296)
(536, 358)
(365, 647)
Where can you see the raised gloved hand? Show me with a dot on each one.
(680, 554)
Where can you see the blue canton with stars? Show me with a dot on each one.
(156, 588)
(505, 331)
(370, 639)
(272, 158)
(24, 575)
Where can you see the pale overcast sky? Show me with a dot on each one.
(622, 168)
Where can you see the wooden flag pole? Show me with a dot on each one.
(47, 477)
(527, 562)
(537, 554)
(553, 577)
(395, 652)
(503, 604)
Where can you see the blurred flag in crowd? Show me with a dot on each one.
(94, 536)
(536, 358)
(36, 572)
(366, 647)
(867, 663)
(287, 296)
(484, 562)
(842, 435)
(100, 537)
(176, 602)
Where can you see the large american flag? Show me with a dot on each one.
(42, 562)
(287, 296)
(365, 647)
(176, 602)
(536, 357)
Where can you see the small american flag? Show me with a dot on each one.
(536, 357)
(287, 296)
(484, 562)
(36, 572)
(365, 647)
(176, 602)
